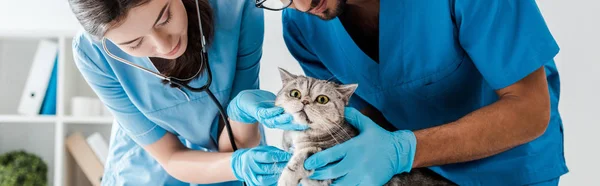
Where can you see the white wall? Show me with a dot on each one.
(275, 54)
(36, 16)
(576, 26)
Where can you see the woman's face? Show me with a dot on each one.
(155, 29)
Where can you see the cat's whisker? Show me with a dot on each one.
(334, 76)
(344, 135)
(330, 78)
(341, 128)
(328, 130)
(325, 125)
(347, 136)
(331, 133)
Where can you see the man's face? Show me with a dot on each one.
(324, 9)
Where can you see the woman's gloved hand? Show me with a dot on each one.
(260, 165)
(371, 158)
(251, 106)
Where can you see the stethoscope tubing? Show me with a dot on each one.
(180, 83)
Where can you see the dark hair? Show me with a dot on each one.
(98, 16)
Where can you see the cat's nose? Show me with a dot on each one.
(305, 102)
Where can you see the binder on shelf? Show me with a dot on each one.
(99, 146)
(49, 103)
(38, 79)
(84, 157)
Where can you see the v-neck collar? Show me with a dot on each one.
(358, 59)
(390, 38)
(354, 54)
(152, 80)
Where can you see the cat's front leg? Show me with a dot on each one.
(294, 171)
(309, 182)
(291, 175)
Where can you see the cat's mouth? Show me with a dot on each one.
(302, 115)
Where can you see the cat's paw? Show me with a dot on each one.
(288, 178)
(309, 182)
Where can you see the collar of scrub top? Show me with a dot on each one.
(172, 80)
(180, 82)
(273, 5)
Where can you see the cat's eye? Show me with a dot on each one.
(295, 94)
(322, 99)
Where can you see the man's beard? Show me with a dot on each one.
(329, 14)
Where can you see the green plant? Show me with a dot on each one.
(22, 168)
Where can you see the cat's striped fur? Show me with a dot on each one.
(327, 128)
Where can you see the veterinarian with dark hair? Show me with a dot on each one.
(469, 88)
(171, 135)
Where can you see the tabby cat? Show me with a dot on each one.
(320, 105)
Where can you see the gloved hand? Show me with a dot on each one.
(371, 158)
(260, 165)
(250, 106)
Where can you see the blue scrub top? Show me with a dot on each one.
(439, 61)
(145, 109)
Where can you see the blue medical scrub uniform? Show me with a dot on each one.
(145, 109)
(440, 60)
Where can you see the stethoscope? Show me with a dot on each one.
(204, 61)
(180, 82)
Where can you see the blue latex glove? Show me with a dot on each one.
(251, 106)
(371, 158)
(260, 165)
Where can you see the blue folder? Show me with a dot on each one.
(49, 104)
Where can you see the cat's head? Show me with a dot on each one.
(313, 102)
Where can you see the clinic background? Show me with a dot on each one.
(575, 24)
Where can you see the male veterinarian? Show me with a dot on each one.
(469, 88)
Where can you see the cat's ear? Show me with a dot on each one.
(286, 76)
(347, 91)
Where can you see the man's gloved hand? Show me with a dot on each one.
(371, 158)
(260, 165)
(251, 106)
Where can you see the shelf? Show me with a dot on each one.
(36, 33)
(26, 119)
(88, 120)
(42, 18)
(52, 119)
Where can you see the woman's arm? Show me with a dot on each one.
(191, 165)
(246, 136)
(179, 161)
(246, 74)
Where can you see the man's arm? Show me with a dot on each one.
(520, 115)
